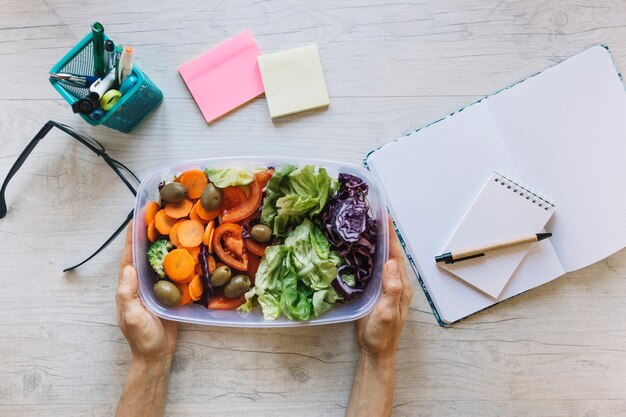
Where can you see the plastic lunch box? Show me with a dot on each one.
(192, 313)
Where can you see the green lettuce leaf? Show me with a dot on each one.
(324, 300)
(293, 194)
(277, 186)
(270, 304)
(311, 256)
(229, 177)
(294, 301)
(294, 278)
(274, 265)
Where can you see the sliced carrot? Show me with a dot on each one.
(151, 210)
(212, 264)
(204, 214)
(153, 235)
(195, 181)
(198, 268)
(194, 252)
(188, 279)
(185, 298)
(174, 234)
(178, 265)
(163, 222)
(178, 210)
(193, 215)
(208, 234)
(190, 233)
(196, 288)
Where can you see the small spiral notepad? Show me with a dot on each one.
(502, 210)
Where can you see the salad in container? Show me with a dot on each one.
(250, 242)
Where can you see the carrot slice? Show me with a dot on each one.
(198, 268)
(195, 181)
(185, 298)
(196, 288)
(153, 235)
(194, 252)
(174, 233)
(188, 279)
(178, 210)
(163, 222)
(178, 265)
(151, 210)
(193, 215)
(212, 264)
(208, 234)
(204, 214)
(190, 233)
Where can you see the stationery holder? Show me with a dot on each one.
(129, 111)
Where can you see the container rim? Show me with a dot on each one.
(249, 159)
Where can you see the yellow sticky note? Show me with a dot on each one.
(293, 81)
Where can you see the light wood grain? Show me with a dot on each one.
(391, 67)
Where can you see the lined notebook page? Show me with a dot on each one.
(430, 178)
(566, 130)
(502, 210)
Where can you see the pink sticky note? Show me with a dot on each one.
(224, 77)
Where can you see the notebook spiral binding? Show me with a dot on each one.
(523, 191)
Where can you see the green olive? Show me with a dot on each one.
(261, 233)
(173, 192)
(211, 198)
(237, 286)
(220, 276)
(166, 293)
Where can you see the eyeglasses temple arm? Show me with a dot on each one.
(105, 244)
(18, 164)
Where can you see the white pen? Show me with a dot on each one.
(126, 64)
(101, 86)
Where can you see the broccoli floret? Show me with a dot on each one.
(156, 255)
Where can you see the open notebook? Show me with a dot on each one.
(563, 131)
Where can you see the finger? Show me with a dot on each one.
(127, 256)
(126, 286)
(396, 252)
(392, 291)
(395, 249)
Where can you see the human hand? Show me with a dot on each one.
(378, 333)
(150, 337)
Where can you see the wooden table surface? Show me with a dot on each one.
(390, 67)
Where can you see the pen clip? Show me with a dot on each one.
(478, 255)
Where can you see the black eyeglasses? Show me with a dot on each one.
(125, 174)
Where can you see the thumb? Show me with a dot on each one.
(127, 285)
(392, 287)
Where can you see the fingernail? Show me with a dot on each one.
(392, 267)
(128, 272)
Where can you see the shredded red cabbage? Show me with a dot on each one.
(352, 232)
(206, 276)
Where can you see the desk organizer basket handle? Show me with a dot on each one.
(129, 111)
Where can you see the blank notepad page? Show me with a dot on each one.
(502, 210)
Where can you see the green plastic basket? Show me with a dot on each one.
(129, 111)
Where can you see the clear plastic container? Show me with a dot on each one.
(193, 313)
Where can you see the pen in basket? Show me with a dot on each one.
(97, 31)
